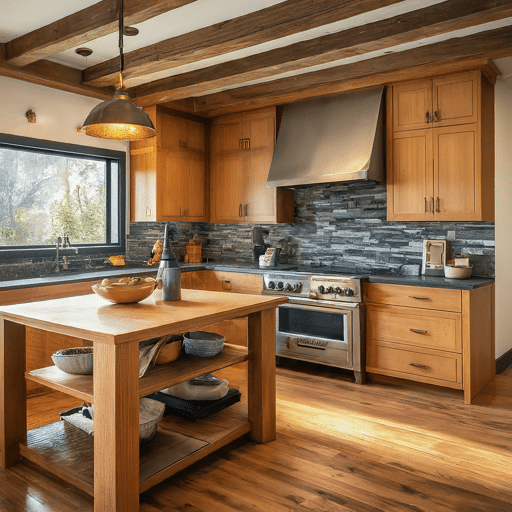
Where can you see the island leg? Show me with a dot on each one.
(116, 427)
(13, 399)
(262, 375)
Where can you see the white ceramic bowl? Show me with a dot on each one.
(77, 361)
(452, 272)
(202, 343)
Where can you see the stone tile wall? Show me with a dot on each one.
(341, 224)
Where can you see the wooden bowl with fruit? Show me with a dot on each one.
(126, 290)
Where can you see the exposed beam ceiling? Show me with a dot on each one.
(83, 26)
(274, 52)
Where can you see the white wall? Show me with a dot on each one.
(503, 225)
(58, 114)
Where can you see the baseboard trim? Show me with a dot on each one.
(504, 361)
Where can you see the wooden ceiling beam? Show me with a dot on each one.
(427, 22)
(80, 27)
(55, 76)
(393, 67)
(283, 19)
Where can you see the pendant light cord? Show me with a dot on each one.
(121, 53)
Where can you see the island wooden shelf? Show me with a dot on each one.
(68, 452)
(155, 379)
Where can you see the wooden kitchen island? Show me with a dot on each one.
(111, 466)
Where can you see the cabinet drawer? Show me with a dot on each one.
(399, 361)
(440, 299)
(421, 328)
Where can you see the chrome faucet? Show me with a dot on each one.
(62, 243)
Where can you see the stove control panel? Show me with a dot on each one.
(336, 288)
(285, 284)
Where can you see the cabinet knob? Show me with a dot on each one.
(427, 117)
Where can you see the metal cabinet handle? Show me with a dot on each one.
(421, 331)
(435, 118)
(417, 298)
(431, 205)
(240, 210)
(427, 117)
(417, 365)
(246, 210)
(425, 205)
(437, 205)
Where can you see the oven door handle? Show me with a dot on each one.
(298, 304)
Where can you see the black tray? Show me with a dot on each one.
(192, 410)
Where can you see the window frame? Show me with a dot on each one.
(75, 150)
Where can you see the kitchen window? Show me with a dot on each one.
(50, 189)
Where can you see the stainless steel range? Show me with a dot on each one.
(323, 320)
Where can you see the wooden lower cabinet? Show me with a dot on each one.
(431, 335)
(235, 330)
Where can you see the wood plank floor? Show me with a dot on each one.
(386, 446)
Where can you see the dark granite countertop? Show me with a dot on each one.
(372, 276)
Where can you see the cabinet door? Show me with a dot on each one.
(259, 201)
(193, 178)
(179, 133)
(170, 185)
(412, 105)
(226, 183)
(410, 182)
(455, 99)
(456, 176)
(226, 188)
(143, 185)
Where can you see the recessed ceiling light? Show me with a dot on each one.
(130, 31)
(84, 52)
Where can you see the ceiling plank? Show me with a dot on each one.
(55, 76)
(80, 27)
(434, 20)
(283, 19)
(490, 45)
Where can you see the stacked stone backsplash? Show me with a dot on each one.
(335, 225)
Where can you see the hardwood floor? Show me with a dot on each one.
(387, 446)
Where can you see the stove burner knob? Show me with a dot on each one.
(279, 285)
(296, 287)
(329, 289)
(288, 287)
(337, 290)
(271, 285)
(349, 292)
(321, 290)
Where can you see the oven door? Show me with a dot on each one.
(318, 333)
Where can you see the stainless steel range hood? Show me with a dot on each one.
(332, 139)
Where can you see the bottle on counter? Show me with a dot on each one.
(169, 273)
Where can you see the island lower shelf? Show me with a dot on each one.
(68, 452)
(157, 377)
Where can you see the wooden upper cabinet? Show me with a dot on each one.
(442, 170)
(412, 105)
(455, 99)
(436, 102)
(168, 175)
(242, 146)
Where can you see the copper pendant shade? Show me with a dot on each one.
(119, 118)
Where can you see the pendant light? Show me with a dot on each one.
(119, 118)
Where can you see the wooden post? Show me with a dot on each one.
(262, 375)
(13, 400)
(116, 427)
